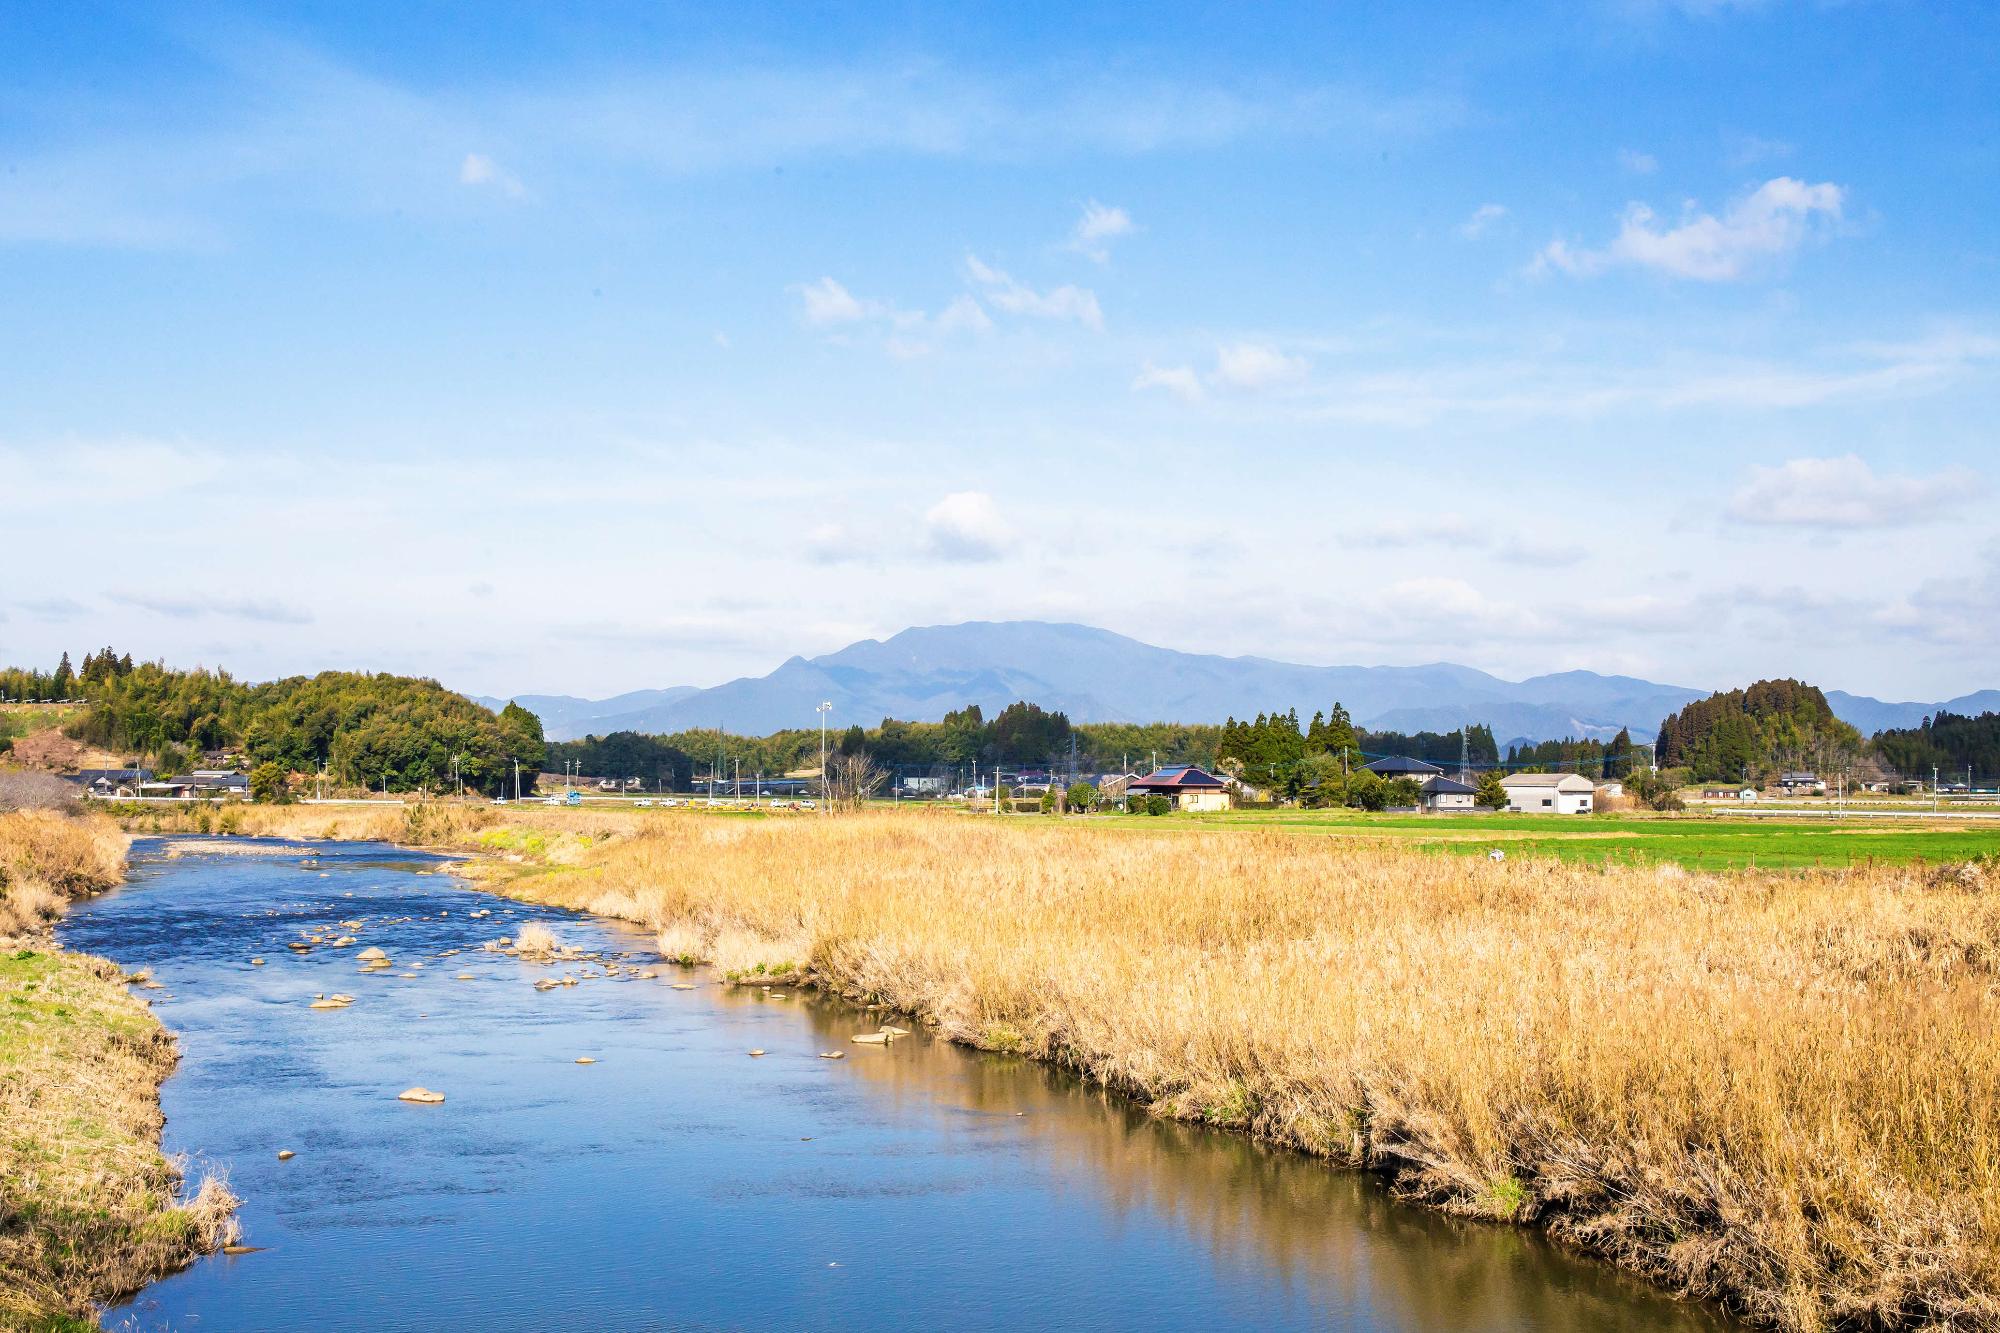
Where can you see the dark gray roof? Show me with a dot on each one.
(1443, 786)
(1401, 766)
(92, 775)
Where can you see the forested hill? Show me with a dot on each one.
(1947, 742)
(1771, 725)
(366, 730)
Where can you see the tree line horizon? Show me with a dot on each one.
(402, 733)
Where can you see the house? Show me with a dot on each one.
(1400, 766)
(112, 782)
(217, 782)
(1441, 794)
(1549, 793)
(204, 783)
(1801, 784)
(1188, 787)
(1112, 786)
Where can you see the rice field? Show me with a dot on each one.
(1692, 841)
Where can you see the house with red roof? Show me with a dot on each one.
(1187, 786)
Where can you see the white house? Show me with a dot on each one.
(1549, 793)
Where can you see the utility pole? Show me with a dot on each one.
(1934, 790)
(825, 789)
(517, 779)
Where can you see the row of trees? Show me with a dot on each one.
(1021, 735)
(1618, 757)
(379, 731)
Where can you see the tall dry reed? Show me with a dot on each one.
(1779, 1091)
(47, 858)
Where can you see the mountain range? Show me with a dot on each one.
(1097, 676)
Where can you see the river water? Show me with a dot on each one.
(680, 1183)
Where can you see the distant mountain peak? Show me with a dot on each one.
(1099, 675)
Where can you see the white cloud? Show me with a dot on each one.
(1253, 366)
(1099, 225)
(479, 170)
(1639, 164)
(1181, 381)
(1007, 293)
(966, 528)
(964, 313)
(1844, 492)
(1773, 220)
(1482, 217)
(828, 303)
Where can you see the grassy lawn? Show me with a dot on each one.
(1695, 841)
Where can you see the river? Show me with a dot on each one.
(679, 1182)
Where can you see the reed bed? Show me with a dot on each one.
(1778, 1091)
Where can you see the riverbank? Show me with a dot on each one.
(89, 1207)
(1778, 1091)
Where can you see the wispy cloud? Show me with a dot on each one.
(196, 605)
(1638, 163)
(1181, 381)
(1845, 492)
(1452, 531)
(1253, 366)
(1006, 292)
(284, 118)
(52, 608)
(1772, 221)
(1097, 228)
(828, 302)
(482, 172)
(1240, 367)
(1483, 217)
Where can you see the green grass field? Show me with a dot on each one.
(1699, 842)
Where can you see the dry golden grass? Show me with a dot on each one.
(433, 824)
(535, 941)
(47, 858)
(88, 1205)
(1782, 1091)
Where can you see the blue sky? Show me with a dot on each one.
(651, 344)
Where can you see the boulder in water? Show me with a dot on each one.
(420, 1095)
